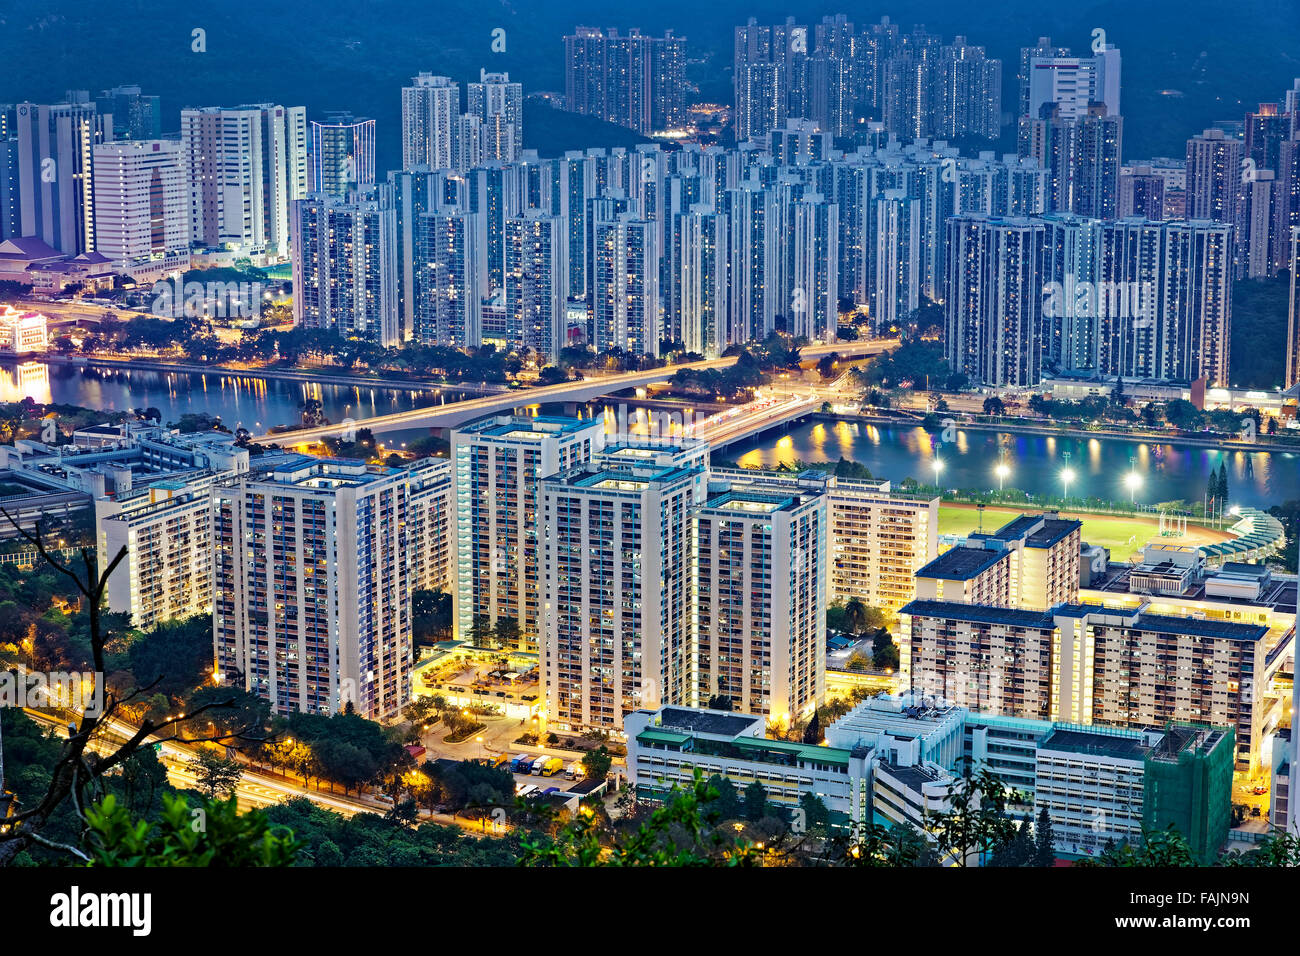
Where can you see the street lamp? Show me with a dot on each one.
(1067, 476)
(1002, 470)
(1133, 481)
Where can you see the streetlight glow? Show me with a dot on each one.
(1133, 481)
(1067, 476)
(1002, 470)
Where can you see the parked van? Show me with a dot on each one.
(530, 791)
(524, 763)
(499, 759)
(573, 771)
(539, 765)
(553, 766)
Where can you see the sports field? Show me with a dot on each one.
(1123, 536)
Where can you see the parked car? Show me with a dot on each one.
(573, 771)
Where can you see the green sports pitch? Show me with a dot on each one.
(1124, 536)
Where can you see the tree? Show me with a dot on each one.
(1019, 850)
(1223, 482)
(214, 833)
(884, 652)
(1183, 414)
(994, 406)
(816, 818)
(507, 631)
(89, 754)
(755, 802)
(976, 819)
(214, 775)
(1161, 848)
(720, 702)
(596, 763)
(1044, 848)
(812, 734)
(726, 805)
(837, 618)
(675, 834)
(856, 615)
(480, 630)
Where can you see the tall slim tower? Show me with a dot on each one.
(342, 155)
(55, 172)
(430, 111)
(345, 266)
(499, 106)
(617, 595)
(499, 463)
(760, 582)
(1293, 326)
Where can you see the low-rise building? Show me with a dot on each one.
(1097, 784)
(1091, 664)
(666, 746)
(22, 332)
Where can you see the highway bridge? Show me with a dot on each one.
(457, 413)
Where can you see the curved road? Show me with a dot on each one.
(456, 413)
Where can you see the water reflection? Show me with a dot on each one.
(1170, 472)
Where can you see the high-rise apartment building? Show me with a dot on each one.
(995, 299)
(1082, 154)
(1087, 664)
(245, 166)
(499, 105)
(447, 278)
(345, 266)
(625, 288)
(431, 506)
(770, 71)
(1172, 317)
(702, 235)
(1214, 176)
(616, 621)
(342, 155)
(142, 206)
(1293, 321)
(136, 115)
(634, 81)
(430, 118)
(56, 172)
(760, 587)
(499, 463)
(877, 538)
(312, 573)
(536, 283)
(166, 529)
